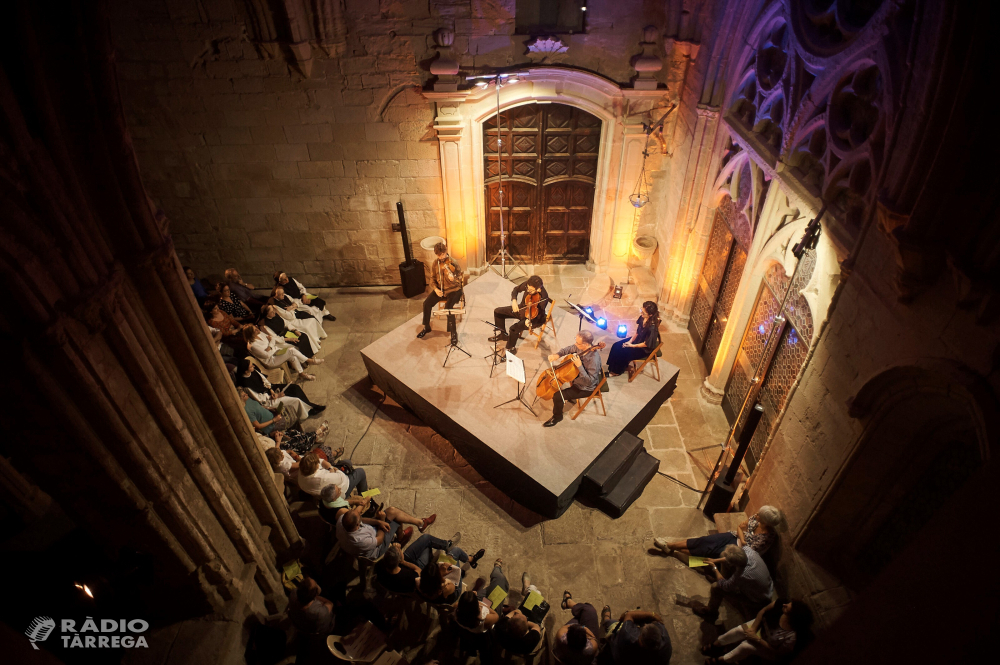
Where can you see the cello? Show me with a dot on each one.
(563, 371)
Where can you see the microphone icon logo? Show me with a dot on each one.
(39, 630)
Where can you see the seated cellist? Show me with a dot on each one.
(583, 385)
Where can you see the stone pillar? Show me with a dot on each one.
(140, 436)
(449, 126)
(694, 219)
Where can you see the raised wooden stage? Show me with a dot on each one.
(539, 467)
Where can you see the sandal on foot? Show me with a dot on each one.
(566, 596)
(606, 612)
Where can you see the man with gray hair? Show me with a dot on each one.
(589, 365)
(749, 579)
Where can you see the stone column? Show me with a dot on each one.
(449, 125)
(137, 430)
(694, 219)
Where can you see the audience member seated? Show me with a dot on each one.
(441, 584)
(395, 573)
(243, 290)
(232, 305)
(639, 639)
(576, 642)
(288, 328)
(370, 537)
(309, 611)
(284, 462)
(196, 286)
(231, 329)
(307, 318)
(296, 406)
(294, 288)
(475, 613)
(332, 503)
(315, 474)
(272, 354)
(263, 421)
(516, 634)
(771, 643)
(748, 580)
(759, 531)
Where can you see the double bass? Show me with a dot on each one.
(563, 371)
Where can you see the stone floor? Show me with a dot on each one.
(599, 559)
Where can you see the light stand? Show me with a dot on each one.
(809, 239)
(503, 256)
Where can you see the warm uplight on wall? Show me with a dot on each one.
(85, 589)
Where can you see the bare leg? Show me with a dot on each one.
(570, 603)
(397, 515)
(680, 556)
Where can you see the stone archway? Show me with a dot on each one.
(459, 127)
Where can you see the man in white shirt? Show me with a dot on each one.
(315, 474)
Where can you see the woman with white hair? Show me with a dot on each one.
(759, 531)
(272, 353)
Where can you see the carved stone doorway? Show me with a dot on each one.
(549, 160)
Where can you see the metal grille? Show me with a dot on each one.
(719, 244)
(724, 305)
(785, 366)
(731, 216)
(797, 307)
(736, 389)
(751, 348)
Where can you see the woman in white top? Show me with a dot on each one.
(476, 614)
(296, 405)
(295, 290)
(269, 350)
(306, 313)
(281, 322)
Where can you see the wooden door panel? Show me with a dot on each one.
(551, 149)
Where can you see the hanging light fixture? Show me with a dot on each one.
(640, 195)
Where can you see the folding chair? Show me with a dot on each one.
(656, 365)
(283, 373)
(540, 331)
(597, 393)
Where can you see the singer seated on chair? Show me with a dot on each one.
(589, 365)
(533, 304)
(446, 278)
(640, 345)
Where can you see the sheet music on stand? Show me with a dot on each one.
(515, 370)
(515, 367)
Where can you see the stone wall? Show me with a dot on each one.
(262, 168)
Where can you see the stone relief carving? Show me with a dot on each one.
(546, 50)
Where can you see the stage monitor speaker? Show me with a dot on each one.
(411, 274)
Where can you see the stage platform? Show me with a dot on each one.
(539, 467)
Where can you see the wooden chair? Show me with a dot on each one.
(540, 331)
(652, 357)
(281, 374)
(458, 311)
(597, 394)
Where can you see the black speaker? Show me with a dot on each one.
(720, 497)
(411, 275)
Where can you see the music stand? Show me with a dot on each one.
(583, 315)
(515, 370)
(497, 356)
(453, 330)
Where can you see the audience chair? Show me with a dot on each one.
(283, 373)
(597, 393)
(652, 357)
(548, 325)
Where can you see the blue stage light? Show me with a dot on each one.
(602, 323)
(622, 330)
(589, 310)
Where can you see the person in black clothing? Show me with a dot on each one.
(640, 345)
(248, 376)
(294, 288)
(271, 319)
(446, 280)
(519, 311)
(395, 573)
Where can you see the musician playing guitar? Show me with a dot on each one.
(590, 374)
(530, 312)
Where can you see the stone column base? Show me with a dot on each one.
(711, 394)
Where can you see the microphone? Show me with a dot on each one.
(39, 630)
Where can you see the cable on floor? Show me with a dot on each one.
(377, 407)
(684, 485)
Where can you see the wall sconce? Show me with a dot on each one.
(602, 323)
(622, 330)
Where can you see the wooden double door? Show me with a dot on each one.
(548, 157)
